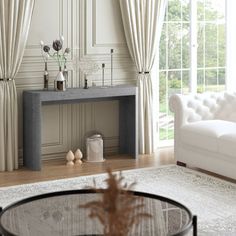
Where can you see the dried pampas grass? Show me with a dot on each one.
(118, 210)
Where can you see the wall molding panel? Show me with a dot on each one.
(90, 28)
(102, 28)
(47, 25)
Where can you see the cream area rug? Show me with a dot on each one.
(211, 199)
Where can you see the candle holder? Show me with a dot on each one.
(103, 75)
(45, 76)
(65, 74)
(112, 51)
(86, 84)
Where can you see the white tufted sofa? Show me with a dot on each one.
(205, 131)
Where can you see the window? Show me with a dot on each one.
(211, 45)
(192, 54)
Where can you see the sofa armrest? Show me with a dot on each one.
(177, 107)
(193, 107)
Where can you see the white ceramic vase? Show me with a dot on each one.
(60, 82)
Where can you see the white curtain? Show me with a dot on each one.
(142, 20)
(15, 18)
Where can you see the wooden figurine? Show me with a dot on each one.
(70, 157)
(78, 157)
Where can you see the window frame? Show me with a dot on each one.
(193, 58)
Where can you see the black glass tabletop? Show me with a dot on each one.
(60, 213)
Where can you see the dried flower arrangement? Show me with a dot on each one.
(118, 210)
(57, 45)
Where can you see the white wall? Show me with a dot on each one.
(91, 28)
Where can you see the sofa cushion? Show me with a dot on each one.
(205, 134)
(227, 144)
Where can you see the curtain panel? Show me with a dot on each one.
(142, 20)
(15, 18)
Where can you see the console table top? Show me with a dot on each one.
(80, 93)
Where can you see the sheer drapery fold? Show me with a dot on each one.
(15, 18)
(142, 20)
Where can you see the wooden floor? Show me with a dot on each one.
(57, 169)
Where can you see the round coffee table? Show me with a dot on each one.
(60, 213)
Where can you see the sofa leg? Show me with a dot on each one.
(179, 163)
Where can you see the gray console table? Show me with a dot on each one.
(34, 99)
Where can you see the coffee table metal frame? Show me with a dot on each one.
(192, 223)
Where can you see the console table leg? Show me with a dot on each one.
(32, 132)
(128, 126)
(194, 225)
